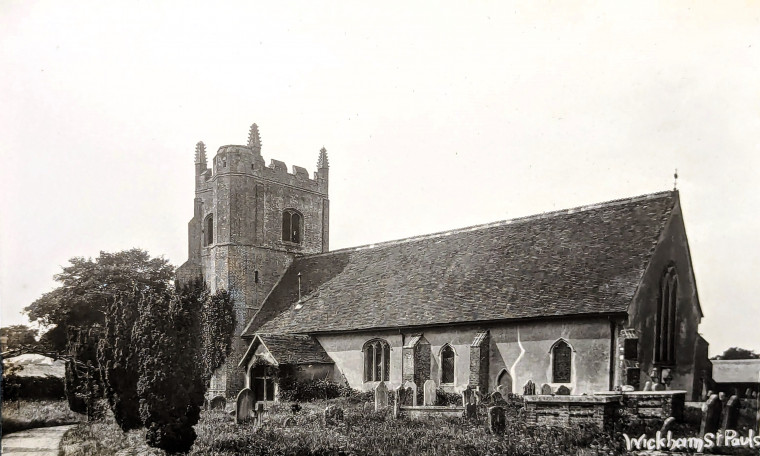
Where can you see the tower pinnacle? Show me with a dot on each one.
(200, 153)
(323, 162)
(254, 140)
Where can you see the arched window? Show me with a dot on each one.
(291, 226)
(447, 364)
(504, 382)
(562, 358)
(377, 360)
(665, 329)
(208, 230)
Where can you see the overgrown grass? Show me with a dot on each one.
(27, 414)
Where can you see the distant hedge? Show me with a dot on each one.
(16, 387)
(309, 390)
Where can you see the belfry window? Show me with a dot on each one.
(377, 360)
(291, 226)
(562, 358)
(665, 329)
(208, 230)
(447, 364)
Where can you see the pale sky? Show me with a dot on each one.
(435, 115)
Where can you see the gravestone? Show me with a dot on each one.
(529, 389)
(722, 397)
(429, 392)
(711, 415)
(546, 389)
(667, 425)
(471, 411)
(563, 391)
(731, 414)
(381, 396)
(497, 420)
(218, 403)
(468, 396)
(332, 415)
(244, 405)
(259, 413)
(648, 385)
(748, 393)
(709, 393)
(411, 388)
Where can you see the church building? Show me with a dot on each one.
(589, 298)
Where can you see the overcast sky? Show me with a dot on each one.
(435, 115)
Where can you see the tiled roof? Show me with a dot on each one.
(580, 261)
(292, 349)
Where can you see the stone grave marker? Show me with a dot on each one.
(258, 414)
(748, 393)
(332, 415)
(244, 405)
(563, 391)
(648, 385)
(429, 392)
(546, 389)
(731, 415)
(468, 396)
(722, 397)
(381, 396)
(711, 415)
(497, 420)
(667, 425)
(411, 395)
(529, 389)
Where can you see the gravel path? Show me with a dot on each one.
(35, 442)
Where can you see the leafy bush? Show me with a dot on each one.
(445, 398)
(17, 387)
(291, 389)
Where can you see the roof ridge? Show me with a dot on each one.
(527, 218)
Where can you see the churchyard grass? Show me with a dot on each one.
(28, 414)
(362, 432)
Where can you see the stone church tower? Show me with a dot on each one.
(250, 221)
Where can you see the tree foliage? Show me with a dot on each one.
(88, 286)
(19, 336)
(170, 366)
(217, 326)
(738, 353)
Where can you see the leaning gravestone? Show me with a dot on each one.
(711, 415)
(245, 402)
(497, 420)
(381, 396)
(546, 390)
(529, 389)
(731, 415)
(563, 391)
(429, 392)
(648, 386)
(332, 415)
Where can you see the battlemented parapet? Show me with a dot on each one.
(250, 220)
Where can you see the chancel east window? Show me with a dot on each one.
(561, 362)
(665, 330)
(377, 361)
(208, 230)
(291, 226)
(447, 364)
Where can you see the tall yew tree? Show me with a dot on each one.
(171, 386)
(217, 326)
